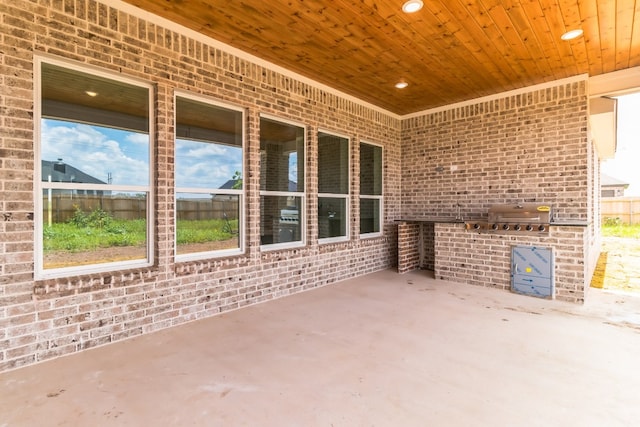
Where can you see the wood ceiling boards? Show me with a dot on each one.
(450, 51)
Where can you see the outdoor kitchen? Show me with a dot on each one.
(487, 251)
(482, 181)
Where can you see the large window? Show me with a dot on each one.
(208, 170)
(371, 201)
(333, 187)
(282, 194)
(93, 154)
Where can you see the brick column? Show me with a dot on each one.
(408, 246)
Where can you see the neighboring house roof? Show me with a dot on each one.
(62, 172)
(293, 186)
(608, 181)
(229, 185)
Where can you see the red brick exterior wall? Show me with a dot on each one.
(530, 147)
(43, 319)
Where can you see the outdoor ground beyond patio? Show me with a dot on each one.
(618, 268)
(381, 350)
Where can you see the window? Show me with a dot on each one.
(94, 167)
(282, 196)
(208, 171)
(370, 189)
(333, 187)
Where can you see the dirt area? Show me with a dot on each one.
(125, 253)
(619, 265)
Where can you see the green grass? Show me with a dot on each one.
(76, 237)
(211, 230)
(615, 229)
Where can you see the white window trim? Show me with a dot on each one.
(347, 196)
(303, 195)
(40, 272)
(337, 239)
(197, 256)
(380, 197)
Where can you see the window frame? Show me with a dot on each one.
(241, 193)
(40, 186)
(380, 197)
(302, 215)
(347, 196)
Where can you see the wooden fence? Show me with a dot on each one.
(122, 207)
(627, 209)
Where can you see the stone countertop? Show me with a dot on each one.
(440, 219)
(569, 223)
(453, 220)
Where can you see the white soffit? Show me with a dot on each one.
(603, 118)
(615, 83)
(603, 109)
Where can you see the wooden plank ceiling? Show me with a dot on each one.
(449, 51)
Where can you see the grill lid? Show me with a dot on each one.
(532, 213)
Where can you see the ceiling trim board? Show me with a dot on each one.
(615, 83)
(533, 88)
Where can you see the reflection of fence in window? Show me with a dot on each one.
(207, 209)
(129, 208)
(119, 207)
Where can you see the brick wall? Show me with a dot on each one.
(484, 259)
(40, 320)
(526, 147)
(530, 147)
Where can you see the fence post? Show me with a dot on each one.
(49, 203)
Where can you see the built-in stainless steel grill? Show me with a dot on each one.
(519, 218)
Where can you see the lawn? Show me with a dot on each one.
(97, 229)
(615, 229)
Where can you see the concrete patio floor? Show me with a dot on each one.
(380, 350)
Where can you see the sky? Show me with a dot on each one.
(100, 151)
(205, 165)
(625, 164)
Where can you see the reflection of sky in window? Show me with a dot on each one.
(293, 167)
(205, 164)
(98, 151)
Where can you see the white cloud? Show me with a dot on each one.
(138, 138)
(94, 152)
(205, 165)
(101, 152)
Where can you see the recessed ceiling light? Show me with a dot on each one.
(91, 93)
(570, 35)
(402, 85)
(411, 6)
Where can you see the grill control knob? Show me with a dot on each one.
(529, 227)
(516, 227)
(505, 227)
(494, 226)
(541, 228)
(476, 226)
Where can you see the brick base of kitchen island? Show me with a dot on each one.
(484, 259)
